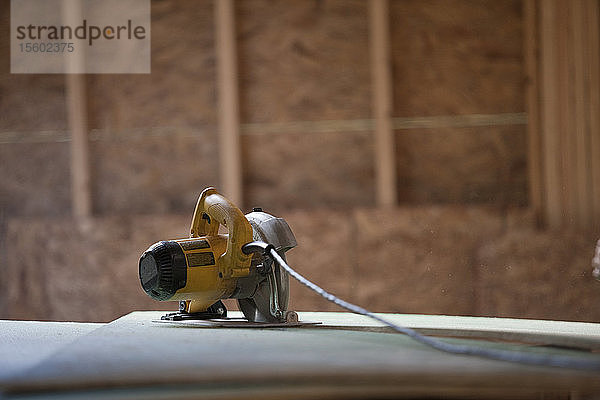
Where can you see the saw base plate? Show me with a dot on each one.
(234, 323)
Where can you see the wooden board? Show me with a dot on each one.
(133, 354)
(568, 37)
(556, 333)
(23, 344)
(581, 335)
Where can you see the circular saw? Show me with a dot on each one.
(209, 266)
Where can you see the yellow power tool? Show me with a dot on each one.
(209, 266)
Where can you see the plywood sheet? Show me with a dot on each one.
(23, 344)
(181, 89)
(463, 165)
(29, 102)
(81, 271)
(134, 352)
(529, 274)
(137, 173)
(456, 57)
(303, 60)
(577, 335)
(308, 170)
(35, 179)
(541, 332)
(326, 253)
(420, 259)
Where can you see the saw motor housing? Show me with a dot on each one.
(209, 266)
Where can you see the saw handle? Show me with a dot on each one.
(213, 210)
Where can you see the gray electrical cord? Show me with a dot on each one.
(495, 354)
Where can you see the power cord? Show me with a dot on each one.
(521, 357)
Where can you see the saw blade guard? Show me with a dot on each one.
(270, 300)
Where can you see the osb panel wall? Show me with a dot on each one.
(34, 178)
(463, 165)
(308, 170)
(421, 259)
(61, 269)
(453, 58)
(528, 273)
(305, 60)
(179, 91)
(456, 57)
(159, 142)
(440, 260)
(153, 143)
(145, 175)
(156, 139)
(27, 101)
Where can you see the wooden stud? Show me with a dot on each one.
(80, 164)
(593, 66)
(549, 114)
(228, 102)
(76, 99)
(530, 28)
(385, 151)
(568, 189)
(583, 209)
(570, 111)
